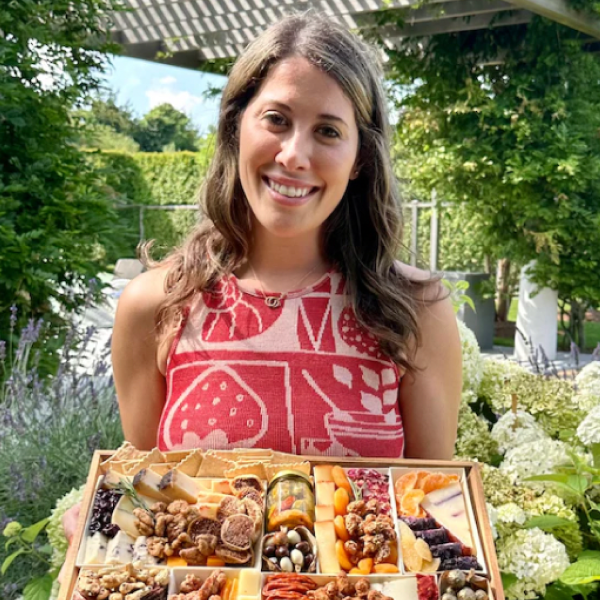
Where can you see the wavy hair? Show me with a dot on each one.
(361, 238)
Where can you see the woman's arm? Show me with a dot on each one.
(429, 399)
(139, 382)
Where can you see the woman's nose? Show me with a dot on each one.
(294, 153)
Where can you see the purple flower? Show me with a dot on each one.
(2, 350)
(13, 317)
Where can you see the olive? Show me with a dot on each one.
(308, 558)
(269, 550)
(466, 594)
(293, 537)
(481, 595)
(304, 547)
(286, 564)
(281, 551)
(456, 579)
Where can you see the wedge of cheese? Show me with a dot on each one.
(112, 479)
(120, 549)
(326, 539)
(140, 551)
(123, 515)
(95, 549)
(179, 486)
(147, 482)
(447, 507)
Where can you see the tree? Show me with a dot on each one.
(165, 126)
(54, 217)
(514, 141)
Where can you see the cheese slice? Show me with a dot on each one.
(95, 549)
(179, 486)
(123, 514)
(147, 482)
(447, 507)
(249, 583)
(324, 512)
(120, 549)
(325, 492)
(326, 539)
(322, 473)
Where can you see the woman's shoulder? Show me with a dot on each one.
(144, 294)
(432, 289)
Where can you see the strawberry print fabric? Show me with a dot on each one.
(302, 378)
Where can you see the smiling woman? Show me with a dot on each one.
(285, 320)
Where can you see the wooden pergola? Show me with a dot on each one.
(187, 33)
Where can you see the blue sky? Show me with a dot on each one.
(143, 85)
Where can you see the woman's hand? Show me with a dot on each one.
(69, 523)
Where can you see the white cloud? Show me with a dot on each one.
(168, 80)
(183, 101)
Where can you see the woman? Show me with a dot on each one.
(285, 320)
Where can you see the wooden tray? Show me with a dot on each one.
(71, 572)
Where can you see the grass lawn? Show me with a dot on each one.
(592, 332)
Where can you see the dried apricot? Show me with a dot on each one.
(355, 571)
(340, 528)
(365, 565)
(341, 499)
(405, 483)
(393, 557)
(226, 593)
(342, 556)
(385, 568)
(435, 481)
(341, 479)
(410, 502)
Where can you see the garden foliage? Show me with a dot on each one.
(53, 213)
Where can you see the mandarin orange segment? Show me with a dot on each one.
(341, 479)
(342, 556)
(420, 477)
(435, 481)
(385, 568)
(405, 483)
(453, 478)
(411, 501)
(341, 499)
(340, 528)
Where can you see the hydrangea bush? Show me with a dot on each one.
(538, 441)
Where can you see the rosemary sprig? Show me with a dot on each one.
(126, 488)
(356, 491)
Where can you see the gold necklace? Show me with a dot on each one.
(275, 301)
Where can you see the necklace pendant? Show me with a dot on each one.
(272, 301)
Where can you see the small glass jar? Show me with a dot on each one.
(290, 501)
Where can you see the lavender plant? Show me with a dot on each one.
(49, 426)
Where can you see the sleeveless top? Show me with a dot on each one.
(301, 378)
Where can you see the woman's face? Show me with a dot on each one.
(298, 149)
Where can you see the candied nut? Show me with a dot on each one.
(354, 525)
(139, 594)
(156, 546)
(88, 586)
(344, 585)
(144, 521)
(183, 540)
(353, 550)
(206, 543)
(191, 583)
(213, 585)
(177, 507)
(331, 590)
(357, 507)
(115, 596)
(161, 577)
(176, 527)
(126, 588)
(362, 587)
(159, 507)
(193, 556)
(377, 595)
(162, 520)
(103, 594)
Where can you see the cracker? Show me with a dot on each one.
(214, 466)
(126, 451)
(118, 466)
(162, 468)
(149, 458)
(255, 468)
(191, 464)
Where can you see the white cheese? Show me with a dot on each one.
(140, 551)
(120, 549)
(95, 549)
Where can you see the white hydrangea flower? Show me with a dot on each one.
(535, 557)
(497, 373)
(472, 361)
(586, 400)
(493, 515)
(589, 378)
(589, 429)
(534, 458)
(513, 430)
(511, 513)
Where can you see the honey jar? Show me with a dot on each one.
(290, 501)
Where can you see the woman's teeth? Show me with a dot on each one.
(290, 192)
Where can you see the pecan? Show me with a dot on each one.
(156, 546)
(162, 520)
(144, 522)
(177, 507)
(191, 583)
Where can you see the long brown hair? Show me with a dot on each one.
(361, 238)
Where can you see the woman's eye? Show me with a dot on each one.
(275, 118)
(329, 132)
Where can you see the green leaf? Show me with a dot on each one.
(9, 559)
(589, 554)
(34, 530)
(553, 477)
(546, 522)
(578, 483)
(38, 589)
(508, 579)
(10, 541)
(559, 591)
(581, 572)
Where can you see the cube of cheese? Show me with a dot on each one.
(324, 512)
(249, 583)
(322, 473)
(325, 492)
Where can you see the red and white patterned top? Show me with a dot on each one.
(301, 378)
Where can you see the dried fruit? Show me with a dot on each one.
(341, 479)
(342, 556)
(412, 561)
(365, 565)
(405, 483)
(435, 481)
(411, 501)
(385, 568)
(423, 550)
(431, 566)
(340, 528)
(341, 499)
